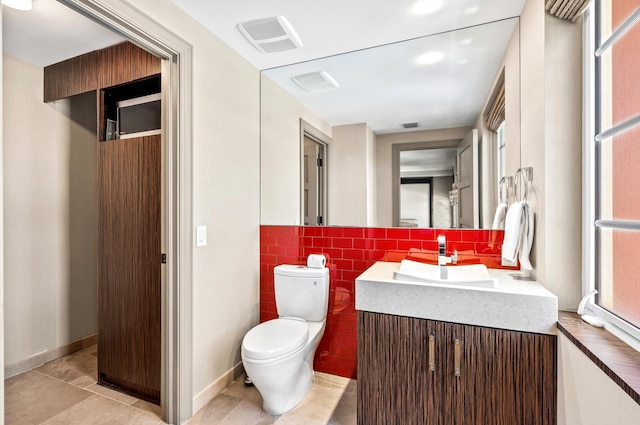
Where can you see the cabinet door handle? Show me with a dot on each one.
(432, 353)
(457, 355)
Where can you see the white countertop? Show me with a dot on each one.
(520, 305)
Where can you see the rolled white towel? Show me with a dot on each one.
(512, 231)
(498, 219)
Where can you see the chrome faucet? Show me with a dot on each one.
(443, 260)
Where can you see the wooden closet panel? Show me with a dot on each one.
(63, 79)
(124, 63)
(144, 63)
(129, 281)
(111, 66)
(116, 65)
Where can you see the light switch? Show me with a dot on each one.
(201, 236)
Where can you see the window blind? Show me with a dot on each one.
(567, 9)
(496, 114)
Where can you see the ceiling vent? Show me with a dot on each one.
(410, 125)
(316, 82)
(270, 35)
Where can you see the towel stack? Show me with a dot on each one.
(518, 234)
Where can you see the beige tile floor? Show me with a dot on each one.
(64, 392)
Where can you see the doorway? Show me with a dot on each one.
(314, 153)
(176, 198)
(176, 202)
(422, 178)
(416, 202)
(313, 181)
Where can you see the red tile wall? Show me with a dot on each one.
(350, 251)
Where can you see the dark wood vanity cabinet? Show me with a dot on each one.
(417, 371)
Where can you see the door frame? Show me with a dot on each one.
(176, 209)
(322, 139)
(470, 142)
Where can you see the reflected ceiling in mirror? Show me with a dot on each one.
(427, 162)
(386, 87)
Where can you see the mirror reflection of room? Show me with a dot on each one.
(426, 177)
(386, 96)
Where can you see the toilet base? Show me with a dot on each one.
(284, 383)
(282, 386)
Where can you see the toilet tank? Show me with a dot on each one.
(301, 292)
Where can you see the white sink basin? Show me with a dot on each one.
(469, 275)
(518, 305)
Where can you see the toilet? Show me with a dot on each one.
(278, 354)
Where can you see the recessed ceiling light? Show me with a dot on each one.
(18, 4)
(425, 7)
(430, 58)
(471, 10)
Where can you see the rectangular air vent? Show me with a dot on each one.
(270, 35)
(316, 82)
(410, 125)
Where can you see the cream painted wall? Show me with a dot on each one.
(280, 154)
(226, 196)
(551, 144)
(351, 187)
(532, 119)
(2, 345)
(586, 395)
(372, 193)
(50, 215)
(563, 161)
(511, 66)
(384, 162)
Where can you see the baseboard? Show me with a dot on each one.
(49, 355)
(209, 393)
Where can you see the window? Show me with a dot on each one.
(612, 153)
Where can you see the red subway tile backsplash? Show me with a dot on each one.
(350, 251)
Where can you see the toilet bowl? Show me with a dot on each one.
(278, 354)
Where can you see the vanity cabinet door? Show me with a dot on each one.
(508, 377)
(417, 371)
(396, 385)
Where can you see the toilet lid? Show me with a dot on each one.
(275, 338)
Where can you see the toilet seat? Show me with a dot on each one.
(275, 338)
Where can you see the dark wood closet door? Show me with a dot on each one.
(129, 305)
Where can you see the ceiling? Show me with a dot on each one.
(51, 32)
(330, 27)
(385, 87)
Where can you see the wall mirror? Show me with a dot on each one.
(425, 94)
